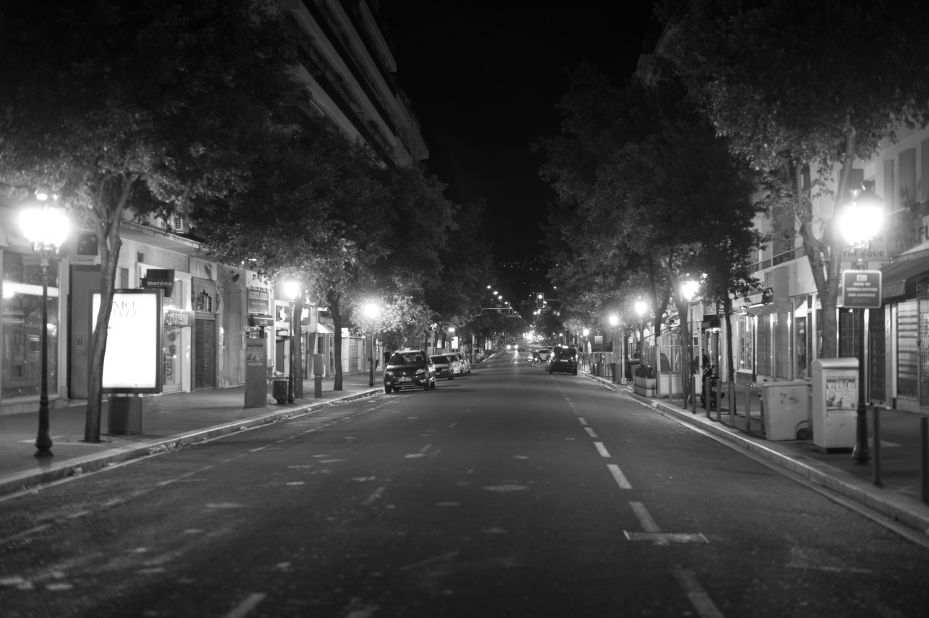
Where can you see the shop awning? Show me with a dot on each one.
(322, 329)
(899, 279)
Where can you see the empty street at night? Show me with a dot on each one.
(510, 492)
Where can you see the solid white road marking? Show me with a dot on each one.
(619, 476)
(602, 450)
(698, 597)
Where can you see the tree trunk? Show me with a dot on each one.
(730, 353)
(296, 344)
(336, 311)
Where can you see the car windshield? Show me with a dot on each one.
(405, 358)
(439, 359)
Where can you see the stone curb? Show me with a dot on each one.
(887, 503)
(22, 481)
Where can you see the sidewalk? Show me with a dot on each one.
(168, 421)
(900, 496)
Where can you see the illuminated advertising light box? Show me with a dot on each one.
(133, 344)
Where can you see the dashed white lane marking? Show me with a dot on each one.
(374, 495)
(247, 605)
(654, 534)
(602, 450)
(583, 421)
(645, 519)
(20, 535)
(698, 597)
(591, 433)
(621, 479)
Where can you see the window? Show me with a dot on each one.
(22, 325)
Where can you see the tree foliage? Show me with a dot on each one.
(648, 197)
(802, 89)
(147, 105)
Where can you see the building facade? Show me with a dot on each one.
(778, 332)
(210, 309)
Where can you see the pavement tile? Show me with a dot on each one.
(168, 421)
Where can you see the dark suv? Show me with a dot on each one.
(409, 369)
(564, 359)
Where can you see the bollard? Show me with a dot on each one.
(748, 408)
(876, 449)
(317, 375)
(924, 441)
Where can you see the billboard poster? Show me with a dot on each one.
(133, 346)
(841, 391)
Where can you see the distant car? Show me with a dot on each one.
(464, 363)
(446, 366)
(409, 369)
(563, 360)
(541, 355)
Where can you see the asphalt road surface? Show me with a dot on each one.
(510, 492)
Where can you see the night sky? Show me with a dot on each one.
(485, 78)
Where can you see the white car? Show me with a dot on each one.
(446, 366)
(464, 364)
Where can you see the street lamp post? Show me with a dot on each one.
(292, 290)
(46, 227)
(640, 308)
(613, 319)
(860, 220)
(371, 311)
(688, 291)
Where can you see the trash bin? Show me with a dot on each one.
(786, 409)
(124, 415)
(279, 389)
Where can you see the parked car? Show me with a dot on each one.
(409, 369)
(446, 366)
(464, 363)
(563, 359)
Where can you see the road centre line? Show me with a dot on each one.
(247, 605)
(591, 432)
(373, 496)
(696, 594)
(641, 513)
(583, 421)
(621, 479)
(602, 450)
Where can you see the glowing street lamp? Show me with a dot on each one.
(46, 226)
(371, 311)
(688, 291)
(859, 221)
(291, 291)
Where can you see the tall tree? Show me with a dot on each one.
(139, 106)
(802, 89)
(652, 191)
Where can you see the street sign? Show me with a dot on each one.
(861, 289)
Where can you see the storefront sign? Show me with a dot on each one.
(179, 317)
(133, 349)
(861, 289)
(159, 278)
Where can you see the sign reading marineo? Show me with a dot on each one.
(861, 289)
(132, 363)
